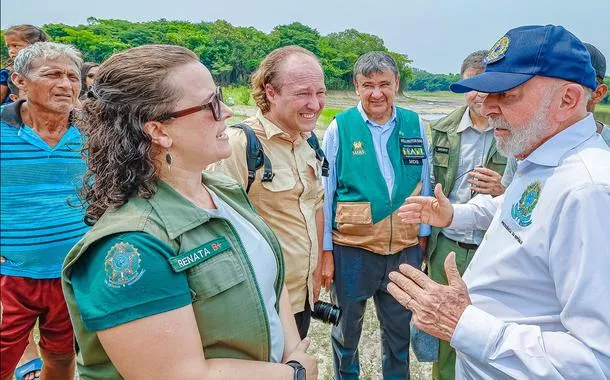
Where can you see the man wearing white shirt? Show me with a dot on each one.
(533, 303)
(599, 64)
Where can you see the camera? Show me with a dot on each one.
(326, 312)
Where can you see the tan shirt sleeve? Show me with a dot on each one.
(234, 166)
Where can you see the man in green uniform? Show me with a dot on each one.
(465, 162)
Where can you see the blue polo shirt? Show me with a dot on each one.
(40, 213)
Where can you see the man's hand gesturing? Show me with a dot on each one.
(436, 211)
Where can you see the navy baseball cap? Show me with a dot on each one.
(527, 51)
(597, 60)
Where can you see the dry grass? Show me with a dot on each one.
(369, 347)
(440, 103)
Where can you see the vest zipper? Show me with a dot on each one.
(258, 291)
(391, 227)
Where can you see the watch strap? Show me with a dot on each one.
(299, 370)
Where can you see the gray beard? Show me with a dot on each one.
(525, 138)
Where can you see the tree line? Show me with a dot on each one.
(231, 52)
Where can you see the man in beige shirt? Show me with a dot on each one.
(289, 91)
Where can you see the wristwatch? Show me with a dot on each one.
(299, 370)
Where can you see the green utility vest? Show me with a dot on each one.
(361, 183)
(446, 156)
(228, 305)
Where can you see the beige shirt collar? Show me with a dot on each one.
(272, 130)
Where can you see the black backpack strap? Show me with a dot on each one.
(255, 157)
(315, 145)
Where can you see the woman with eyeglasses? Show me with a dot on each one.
(87, 74)
(178, 278)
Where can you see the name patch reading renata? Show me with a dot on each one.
(412, 151)
(200, 254)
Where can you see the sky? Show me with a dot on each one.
(436, 34)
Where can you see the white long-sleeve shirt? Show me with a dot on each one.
(539, 283)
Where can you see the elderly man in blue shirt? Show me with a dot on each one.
(533, 303)
(41, 167)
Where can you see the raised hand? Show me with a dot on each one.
(486, 181)
(436, 211)
(436, 308)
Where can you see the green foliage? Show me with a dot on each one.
(296, 34)
(4, 58)
(606, 99)
(425, 81)
(231, 53)
(602, 113)
(327, 115)
(339, 52)
(240, 94)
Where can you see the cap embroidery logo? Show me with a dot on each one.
(497, 51)
(122, 265)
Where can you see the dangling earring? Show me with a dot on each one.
(168, 159)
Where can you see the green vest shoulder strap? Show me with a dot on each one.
(446, 148)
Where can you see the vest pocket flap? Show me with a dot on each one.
(283, 180)
(216, 275)
(440, 157)
(353, 213)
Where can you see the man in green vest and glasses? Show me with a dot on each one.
(465, 162)
(377, 154)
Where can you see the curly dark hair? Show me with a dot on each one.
(132, 88)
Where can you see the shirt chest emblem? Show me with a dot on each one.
(412, 150)
(357, 148)
(522, 211)
(123, 265)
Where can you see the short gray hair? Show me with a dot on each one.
(45, 50)
(475, 61)
(375, 62)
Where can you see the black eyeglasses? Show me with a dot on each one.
(214, 104)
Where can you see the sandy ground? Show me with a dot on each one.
(369, 350)
(429, 106)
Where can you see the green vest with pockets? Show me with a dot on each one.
(358, 176)
(227, 303)
(445, 150)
